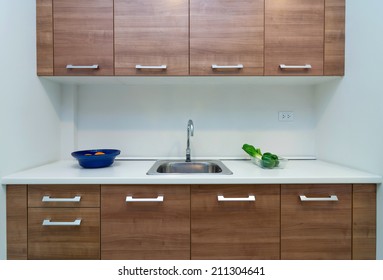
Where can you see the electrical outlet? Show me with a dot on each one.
(286, 116)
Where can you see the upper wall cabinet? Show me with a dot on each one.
(83, 37)
(226, 37)
(190, 37)
(304, 37)
(151, 37)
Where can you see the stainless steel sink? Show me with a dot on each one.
(193, 167)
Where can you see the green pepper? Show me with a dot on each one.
(270, 160)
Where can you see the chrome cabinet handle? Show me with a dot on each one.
(159, 198)
(48, 222)
(139, 66)
(70, 66)
(47, 198)
(249, 198)
(306, 66)
(331, 198)
(238, 66)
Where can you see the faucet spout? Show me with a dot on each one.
(190, 132)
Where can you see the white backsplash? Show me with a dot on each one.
(150, 120)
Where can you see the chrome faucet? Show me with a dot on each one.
(190, 132)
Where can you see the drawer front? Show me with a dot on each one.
(49, 238)
(64, 196)
(144, 227)
(316, 221)
(225, 228)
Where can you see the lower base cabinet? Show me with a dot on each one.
(78, 238)
(316, 222)
(235, 222)
(138, 222)
(145, 222)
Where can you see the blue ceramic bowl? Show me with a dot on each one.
(96, 158)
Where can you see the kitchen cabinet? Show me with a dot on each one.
(316, 221)
(305, 221)
(226, 37)
(151, 37)
(304, 37)
(64, 222)
(235, 222)
(53, 222)
(83, 37)
(145, 222)
(196, 37)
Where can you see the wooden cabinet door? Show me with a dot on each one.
(49, 240)
(151, 37)
(294, 37)
(137, 229)
(83, 37)
(227, 34)
(313, 228)
(235, 229)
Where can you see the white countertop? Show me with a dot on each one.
(244, 172)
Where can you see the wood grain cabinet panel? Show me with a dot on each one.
(17, 219)
(143, 229)
(151, 33)
(294, 36)
(62, 195)
(334, 37)
(83, 36)
(316, 229)
(64, 241)
(44, 37)
(226, 33)
(364, 222)
(235, 229)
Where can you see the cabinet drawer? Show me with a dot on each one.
(224, 227)
(316, 221)
(64, 196)
(48, 238)
(145, 222)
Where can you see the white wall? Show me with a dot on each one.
(29, 108)
(350, 111)
(151, 120)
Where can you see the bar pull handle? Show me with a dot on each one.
(48, 222)
(47, 198)
(139, 67)
(331, 198)
(130, 198)
(70, 66)
(249, 198)
(238, 66)
(284, 66)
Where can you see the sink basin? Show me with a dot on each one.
(193, 167)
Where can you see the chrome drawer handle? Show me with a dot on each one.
(139, 66)
(47, 198)
(284, 66)
(249, 198)
(48, 222)
(159, 198)
(238, 66)
(331, 198)
(70, 66)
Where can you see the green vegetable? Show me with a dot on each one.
(252, 151)
(268, 160)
